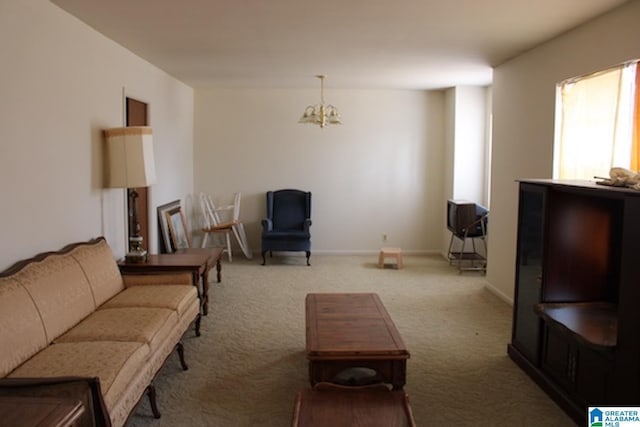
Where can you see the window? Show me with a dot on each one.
(597, 123)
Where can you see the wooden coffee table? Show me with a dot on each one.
(348, 330)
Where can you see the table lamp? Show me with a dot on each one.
(129, 164)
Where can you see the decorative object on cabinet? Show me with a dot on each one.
(621, 177)
(576, 305)
(321, 114)
(130, 164)
(467, 221)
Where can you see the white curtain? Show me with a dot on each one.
(594, 118)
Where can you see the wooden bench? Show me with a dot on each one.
(328, 405)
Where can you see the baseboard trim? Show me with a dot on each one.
(498, 293)
(371, 252)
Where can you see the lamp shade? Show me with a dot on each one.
(129, 157)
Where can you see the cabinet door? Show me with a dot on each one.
(592, 377)
(558, 359)
(526, 324)
(582, 372)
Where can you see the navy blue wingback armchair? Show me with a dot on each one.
(286, 227)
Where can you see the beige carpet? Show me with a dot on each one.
(249, 363)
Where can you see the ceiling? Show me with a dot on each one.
(400, 44)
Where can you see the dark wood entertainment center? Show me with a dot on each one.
(576, 313)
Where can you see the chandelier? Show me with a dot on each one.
(321, 114)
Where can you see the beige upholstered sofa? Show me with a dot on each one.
(72, 314)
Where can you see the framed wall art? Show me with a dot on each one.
(166, 246)
(178, 232)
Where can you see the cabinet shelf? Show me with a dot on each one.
(593, 323)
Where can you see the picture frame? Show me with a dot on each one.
(178, 232)
(166, 246)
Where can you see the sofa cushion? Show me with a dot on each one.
(21, 330)
(174, 297)
(101, 270)
(115, 363)
(145, 325)
(60, 291)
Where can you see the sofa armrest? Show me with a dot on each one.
(85, 390)
(132, 279)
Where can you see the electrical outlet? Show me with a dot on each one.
(384, 237)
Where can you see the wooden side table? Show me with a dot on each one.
(197, 261)
(39, 411)
(215, 255)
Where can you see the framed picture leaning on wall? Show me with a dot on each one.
(178, 229)
(165, 235)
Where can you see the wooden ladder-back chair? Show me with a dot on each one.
(225, 220)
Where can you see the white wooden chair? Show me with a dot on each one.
(238, 228)
(212, 223)
(224, 220)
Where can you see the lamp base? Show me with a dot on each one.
(136, 256)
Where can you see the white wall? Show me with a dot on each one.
(62, 84)
(470, 144)
(381, 172)
(523, 114)
(466, 151)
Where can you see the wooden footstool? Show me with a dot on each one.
(388, 253)
(329, 405)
